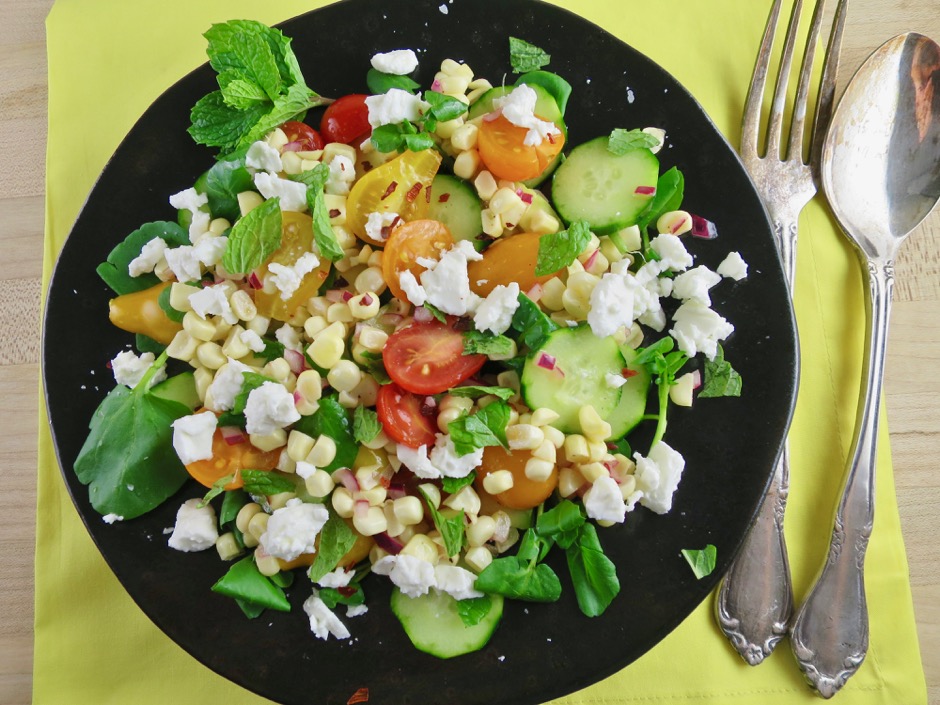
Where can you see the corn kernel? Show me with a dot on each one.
(335, 208)
(323, 452)
(338, 149)
(258, 524)
(478, 558)
(465, 137)
(326, 351)
(234, 347)
(371, 522)
(593, 426)
(245, 514)
(546, 451)
(278, 369)
(218, 226)
(610, 251)
(339, 312)
(285, 463)
(447, 128)
(367, 391)
(269, 441)
(299, 445)
(227, 546)
(179, 296)
(466, 164)
(279, 500)
(597, 451)
(592, 471)
(508, 379)
(498, 481)
(248, 201)
(319, 484)
(344, 376)
(198, 327)
(447, 417)
(343, 502)
(481, 531)
(364, 306)
(627, 486)
(491, 223)
(535, 220)
(631, 238)
(544, 416)
(203, 378)
(524, 437)
(576, 449)
(674, 223)
(277, 138)
(569, 481)
(373, 339)
(258, 324)
(503, 200)
(432, 492)
(291, 163)
(182, 347)
(210, 356)
(466, 499)
(680, 393)
(408, 510)
(484, 183)
(420, 546)
(538, 470)
(375, 496)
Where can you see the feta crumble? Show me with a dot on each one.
(446, 282)
(289, 337)
(673, 253)
(263, 157)
(414, 292)
(398, 62)
(111, 518)
(252, 340)
(129, 369)
(287, 279)
(226, 384)
(416, 460)
(269, 408)
(693, 285)
(495, 312)
(518, 107)
(195, 528)
(292, 194)
(213, 301)
(603, 500)
(733, 266)
(342, 174)
(292, 529)
(394, 106)
(657, 476)
(192, 436)
(184, 263)
(323, 622)
(444, 458)
(699, 329)
(413, 576)
(455, 581)
(337, 578)
(378, 224)
(150, 255)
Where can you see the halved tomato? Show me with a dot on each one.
(524, 493)
(428, 358)
(403, 419)
(230, 459)
(406, 243)
(510, 259)
(301, 137)
(346, 120)
(504, 152)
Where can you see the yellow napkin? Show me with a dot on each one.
(108, 59)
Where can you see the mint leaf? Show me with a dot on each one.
(593, 574)
(336, 538)
(558, 250)
(286, 107)
(218, 487)
(526, 57)
(273, 349)
(451, 529)
(721, 379)
(622, 141)
(266, 482)
(217, 124)
(259, 68)
(222, 48)
(452, 485)
(366, 425)
(253, 238)
(477, 343)
(531, 323)
(323, 235)
(487, 427)
(702, 561)
(239, 93)
(472, 610)
(475, 392)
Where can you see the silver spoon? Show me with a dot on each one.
(881, 174)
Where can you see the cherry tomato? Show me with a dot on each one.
(504, 152)
(296, 239)
(402, 418)
(346, 120)
(427, 358)
(399, 186)
(358, 552)
(231, 459)
(301, 137)
(509, 259)
(524, 493)
(140, 312)
(408, 242)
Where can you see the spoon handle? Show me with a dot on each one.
(830, 632)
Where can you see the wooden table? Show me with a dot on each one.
(912, 388)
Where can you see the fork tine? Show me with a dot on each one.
(795, 142)
(827, 87)
(775, 125)
(750, 125)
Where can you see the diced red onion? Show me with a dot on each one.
(387, 543)
(296, 361)
(704, 229)
(396, 490)
(335, 296)
(345, 477)
(422, 315)
(293, 147)
(298, 397)
(361, 508)
(436, 85)
(233, 435)
(696, 379)
(429, 406)
(535, 293)
(645, 190)
(546, 361)
(589, 262)
(366, 300)
(490, 117)
(254, 282)
(523, 196)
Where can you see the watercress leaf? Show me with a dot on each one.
(366, 425)
(146, 344)
(668, 197)
(217, 124)
(418, 142)
(702, 561)
(623, 141)
(532, 547)
(273, 349)
(593, 574)
(444, 107)
(388, 138)
(332, 420)
(232, 503)
(472, 610)
(452, 485)
(244, 581)
(531, 323)
(476, 342)
(561, 523)
(519, 579)
(266, 482)
(645, 356)
(224, 181)
(351, 595)
(253, 238)
(114, 270)
(380, 82)
(314, 178)
(164, 302)
(487, 427)
(721, 379)
(336, 538)
(450, 528)
(558, 250)
(218, 487)
(526, 57)
(475, 392)
(435, 311)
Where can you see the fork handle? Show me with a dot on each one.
(830, 632)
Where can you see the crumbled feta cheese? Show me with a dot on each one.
(413, 576)
(337, 578)
(356, 610)
(445, 460)
(443, 9)
(416, 460)
(292, 529)
(603, 500)
(150, 254)
(129, 369)
(342, 174)
(184, 263)
(611, 305)
(287, 279)
(378, 224)
(195, 528)
(673, 253)
(398, 62)
(213, 301)
(394, 106)
(304, 469)
(263, 157)
(412, 289)
(192, 436)
(495, 311)
(227, 384)
(252, 340)
(323, 622)
(209, 249)
(446, 281)
(733, 266)
(657, 476)
(269, 407)
(693, 285)
(111, 518)
(519, 108)
(193, 202)
(292, 194)
(289, 337)
(614, 381)
(455, 581)
(699, 329)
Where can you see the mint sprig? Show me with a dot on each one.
(525, 57)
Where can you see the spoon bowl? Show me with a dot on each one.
(881, 173)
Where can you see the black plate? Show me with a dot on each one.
(540, 651)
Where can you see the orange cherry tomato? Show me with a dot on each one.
(509, 259)
(406, 243)
(504, 152)
(524, 493)
(231, 459)
(400, 186)
(296, 239)
(140, 312)
(358, 552)
(428, 358)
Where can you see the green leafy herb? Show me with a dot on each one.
(593, 574)
(353, 595)
(562, 523)
(164, 302)
(114, 270)
(495, 346)
(450, 528)
(558, 250)
(323, 236)
(236, 415)
(473, 609)
(332, 420)
(266, 483)
(253, 238)
(223, 182)
(487, 427)
(721, 379)
(622, 141)
(273, 349)
(336, 538)
(702, 561)
(663, 363)
(558, 87)
(380, 82)
(366, 425)
(475, 392)
(232, 503)
(435, 311)
(218, 487)
(416, 135)
(522, 577)
(531, 323)
(244, 582)
(453, 485)
(375, 366)
(526, 57)
(668, 197)
(128, 459)
(260, 86)
(146, 344)
(443, 108)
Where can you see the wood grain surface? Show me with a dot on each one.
(912, 385)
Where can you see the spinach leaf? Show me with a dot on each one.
(472, 610)
(332, 420)
(721, 379)
(380, 82)
(128, 460)
(522, 577)
(266, 482)
(366, 425)
(668, 197)
(526, 57)
(623, 141)
(244, 582)
(336, 539)
(593, 574)
(114, 270)
(232, 503)
(701, 561)
(531, 323)
(451, 529)
(558, 250)
(487, 427)
(253, 238)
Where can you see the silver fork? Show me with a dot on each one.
(755, 601)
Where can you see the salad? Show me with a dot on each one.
(411, 342)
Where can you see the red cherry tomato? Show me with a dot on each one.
(346, 120)
(427, 358)
(402, 418)
(301, 137)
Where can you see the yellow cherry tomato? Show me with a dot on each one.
(140, 312)
(509, 259)
(230, 459)
(524, 493)
(358, 552)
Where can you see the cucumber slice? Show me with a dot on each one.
(455, 203)
(633, 396)
(433, 625)
(598, 186)
(180, 388)
(582, 361)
